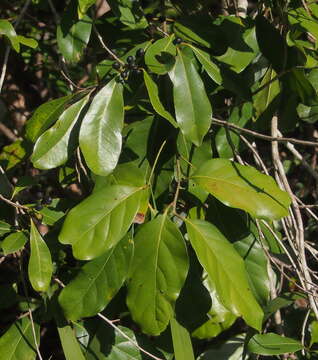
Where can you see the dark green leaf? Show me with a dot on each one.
(44, 116)
(273, 344)
(194, 119)
(40, 266)
(97, 282)
(53, 148)
(101, 220)
(226, 271)
(256, 193)
(14, 242)
(18, 342)
(129, 13)
(181, 341)
(100, 134)
(159, 269)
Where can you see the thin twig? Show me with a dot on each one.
(263, 136)
(12, 203)
(7, 132)
(127, 337)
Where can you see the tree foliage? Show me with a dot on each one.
(157, 158)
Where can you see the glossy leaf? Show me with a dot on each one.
(156, 52)
(230, 350)
(153, 92)
(100, 134)
(73, 34)
(129, 13)
(14, 242)
(194, 119)
(17, 343)
(101, 220)
(97, 282)
(256, 193)
(181, 341)
(32, 43)
(226, 270)
(8, 30)
(53, 148)
(209, 66)
(44, 116)
(159, 269)
(273, 344)
(40, 266)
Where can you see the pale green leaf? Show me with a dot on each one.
(54, 147)
(192, 106)
(243, 187)
(14, 242)
(159, 269)
(97, 282)
(7, 30)
(181, 341)
(40, 266)
(101, 220)
(32, 43)
(273, 344)
(153, 93)
(100, 134)
(17, 343)
(226, 270)
(83, 6)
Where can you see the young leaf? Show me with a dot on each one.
(7, 29)
(153, 93)
(14, 242)
(83, 6)
(32, 43)
(97, 282)
(209, 66)
(100, 135)
(226, 270)
(182, 345)
(18, 343)
(73, 34)
(44, 116)
(273, 344)
(53, 148)
(194, 119)
(101, 220)
(243, 187)
(40, 266)
(159, 269)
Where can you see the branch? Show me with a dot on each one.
(262, 136)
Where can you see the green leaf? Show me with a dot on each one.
(157, 63)
(101, 220)
(226, 270)
(129, 13)
(230, 350)
(155, 100)
(54, 147)
(313, 327)
(97, 282)
(40, 266)
(273, 344)
(32, 43)
(100, 134)
(264, 97)
(44, 116)
(7, 30)
(209, 66)
(13, 154)
(73, 34)
(159, 269)
(4, 228)
(181, 341)
(83, 6)
(18, 343)
(192, 106)
(256, 193)
(70, 345)
(14, 242)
